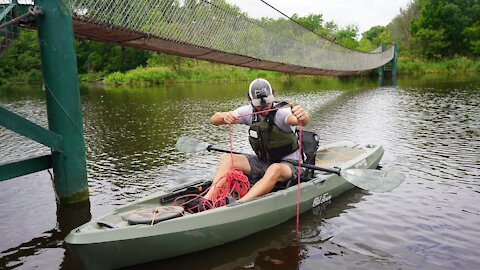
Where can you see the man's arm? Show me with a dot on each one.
(223, 118)
(298, 114)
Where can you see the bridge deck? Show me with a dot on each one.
(131, 38)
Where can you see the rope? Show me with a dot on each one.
(299, 171)
(236, 186)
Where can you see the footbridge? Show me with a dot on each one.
(211, 30)
(216, 31)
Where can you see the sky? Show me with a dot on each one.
(362, 13)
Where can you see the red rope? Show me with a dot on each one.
(299, 170)
(236, 186)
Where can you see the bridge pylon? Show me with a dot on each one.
(65, 134)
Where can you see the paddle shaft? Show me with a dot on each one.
(294, 162)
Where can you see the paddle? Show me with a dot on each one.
(368, 179)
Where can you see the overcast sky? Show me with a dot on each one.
(362, 13)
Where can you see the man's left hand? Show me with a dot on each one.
(299, 112)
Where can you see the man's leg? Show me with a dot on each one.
(277, 172)
(224, 166)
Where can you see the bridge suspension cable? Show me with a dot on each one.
(217, 31)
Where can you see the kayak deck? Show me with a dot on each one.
(330, 157)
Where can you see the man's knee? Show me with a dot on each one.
(225, 157)
(278, 172)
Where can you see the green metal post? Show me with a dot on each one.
(381, 70)
(394, 60)
(59, 67)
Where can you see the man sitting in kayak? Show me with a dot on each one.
(272, 136)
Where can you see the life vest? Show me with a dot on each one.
(268, 141)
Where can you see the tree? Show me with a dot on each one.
(441, 27)
(347, 36)
(399, 29)
(374, 34)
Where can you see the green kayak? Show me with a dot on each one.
(128, 236)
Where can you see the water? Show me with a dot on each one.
(429, 128)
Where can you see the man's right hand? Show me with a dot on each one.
(230, 117)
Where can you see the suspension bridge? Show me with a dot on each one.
(219, 32)
(211, 30)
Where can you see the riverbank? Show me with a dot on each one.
(457, 65)
(201, 71)
(198, 71)
(205, 72)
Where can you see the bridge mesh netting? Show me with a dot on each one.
(217, 31)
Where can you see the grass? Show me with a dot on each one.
(457, 65)
(198, 72)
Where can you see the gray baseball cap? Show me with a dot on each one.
(260, 92)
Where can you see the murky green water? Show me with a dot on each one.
(429, 127)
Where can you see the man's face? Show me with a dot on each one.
(269, 106)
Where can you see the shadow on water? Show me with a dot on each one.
(68, 218)
(274, 248)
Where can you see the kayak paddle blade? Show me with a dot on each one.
(373, 180)
(190, 145)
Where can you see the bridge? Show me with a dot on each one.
(216, 31)
(210, 30)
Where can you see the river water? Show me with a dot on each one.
(429, 127)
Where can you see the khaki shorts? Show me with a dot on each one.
(259, 167)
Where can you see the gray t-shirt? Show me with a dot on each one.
(280, 120)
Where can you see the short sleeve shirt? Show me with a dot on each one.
(280, 120)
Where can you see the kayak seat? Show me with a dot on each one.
(153, 216)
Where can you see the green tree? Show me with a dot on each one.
(399, 29)
(347, 36)
(441, 26)
(21, 60)
(472, 35)
(374, 34)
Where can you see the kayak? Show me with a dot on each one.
(127, 236)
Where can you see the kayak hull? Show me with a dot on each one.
(100, 247)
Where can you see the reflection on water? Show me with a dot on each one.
(430, 129)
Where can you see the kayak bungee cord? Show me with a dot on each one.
(236, 182)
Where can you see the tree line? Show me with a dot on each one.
(426, 29)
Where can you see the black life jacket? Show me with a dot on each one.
(268, 141)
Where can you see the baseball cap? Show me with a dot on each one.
(260, 92)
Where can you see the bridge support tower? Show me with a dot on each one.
(65, 134)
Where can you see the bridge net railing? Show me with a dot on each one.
(214, 26)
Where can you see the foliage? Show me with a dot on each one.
(445, 28)
(456, 65)
(194, 71)
(399, 29)
(21, 61)
(347, 37)
(99, 57)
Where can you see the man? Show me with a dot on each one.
(272, 136)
